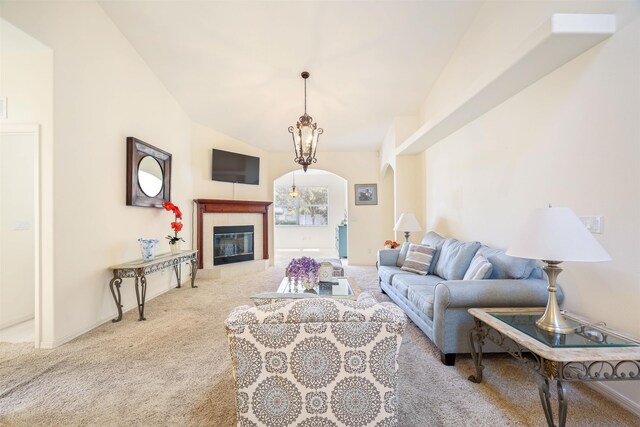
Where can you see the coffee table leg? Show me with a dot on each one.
(476, 342)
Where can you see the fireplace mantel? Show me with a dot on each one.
(232, 206)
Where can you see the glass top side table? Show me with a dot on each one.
(586, 334)
(591, 353)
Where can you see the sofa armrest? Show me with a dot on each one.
(388, 257)
(492, 293)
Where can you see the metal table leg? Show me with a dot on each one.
(194, 271)
(476, 341)
(545, 399)
(178, 270)
(116, 296)
(141, 293)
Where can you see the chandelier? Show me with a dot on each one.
(294, 192)
(305, 134)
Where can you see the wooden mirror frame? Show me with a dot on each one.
(136, 150)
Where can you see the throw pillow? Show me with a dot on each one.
(434, 240)
(479, 269)
(505, 266)
(403, 254)
(418, 259)
(454, 258)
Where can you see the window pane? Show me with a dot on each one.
(308, 209)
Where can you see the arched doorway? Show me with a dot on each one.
(306, 224)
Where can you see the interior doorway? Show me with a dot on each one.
(19, 233)
(309, 220)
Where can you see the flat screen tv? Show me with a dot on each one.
(233, 167)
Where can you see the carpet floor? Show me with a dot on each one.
(174, 370)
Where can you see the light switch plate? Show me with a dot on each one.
(3, 107)
(594, 223)
(22, 225)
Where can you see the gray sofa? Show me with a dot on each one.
(438, 306)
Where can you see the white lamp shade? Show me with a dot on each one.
(556, 234)
(407, 222)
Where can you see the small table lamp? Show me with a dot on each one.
(554, 235)
(407, 223)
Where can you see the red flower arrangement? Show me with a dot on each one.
(175, 225)
(391, 244)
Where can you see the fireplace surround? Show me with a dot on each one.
(205, 206)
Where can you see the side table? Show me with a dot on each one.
(591, 353)
(139, 269)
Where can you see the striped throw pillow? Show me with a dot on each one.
(418, 259)
(480, 268)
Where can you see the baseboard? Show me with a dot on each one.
(615, 396)
(17, 321)
(67, 338)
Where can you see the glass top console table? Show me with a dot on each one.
(139, 269)
(591, 353)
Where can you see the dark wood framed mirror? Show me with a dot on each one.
(148, 174)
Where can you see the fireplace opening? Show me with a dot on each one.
(232, 244)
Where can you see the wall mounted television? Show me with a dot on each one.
(234, 167)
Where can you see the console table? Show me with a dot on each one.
(139, 269)
(591, 353)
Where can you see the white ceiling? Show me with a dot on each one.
(235, 65)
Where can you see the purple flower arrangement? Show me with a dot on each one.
(303, 268)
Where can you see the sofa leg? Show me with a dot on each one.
(448, 359)
(380, 284)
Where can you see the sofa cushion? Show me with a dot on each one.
(403, 254)
(434, 240)
(418, 259)
(403, 282)
(505, 266)
(386, 272)
(422, 298)
(454, 258)
(479, 269)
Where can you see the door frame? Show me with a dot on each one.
(34, 130)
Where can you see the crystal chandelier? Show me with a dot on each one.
(294, 192)
(305, 134)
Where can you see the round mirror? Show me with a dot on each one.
(150, 176)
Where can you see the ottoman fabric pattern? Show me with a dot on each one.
(324, 362)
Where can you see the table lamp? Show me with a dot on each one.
(407, 223)
(554, 235)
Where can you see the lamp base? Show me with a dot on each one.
(552, 320)
(406, 236)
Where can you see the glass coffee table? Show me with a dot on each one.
(339, 287)
(591, 353)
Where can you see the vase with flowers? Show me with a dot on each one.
(391, 244)
(176, 225)
(304, 270)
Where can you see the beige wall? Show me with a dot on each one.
(205, 139)
(104, 92)
(409, 189)
(570, 139)
(318, 237)
(366, 235)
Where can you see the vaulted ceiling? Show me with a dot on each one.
(235, 65)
